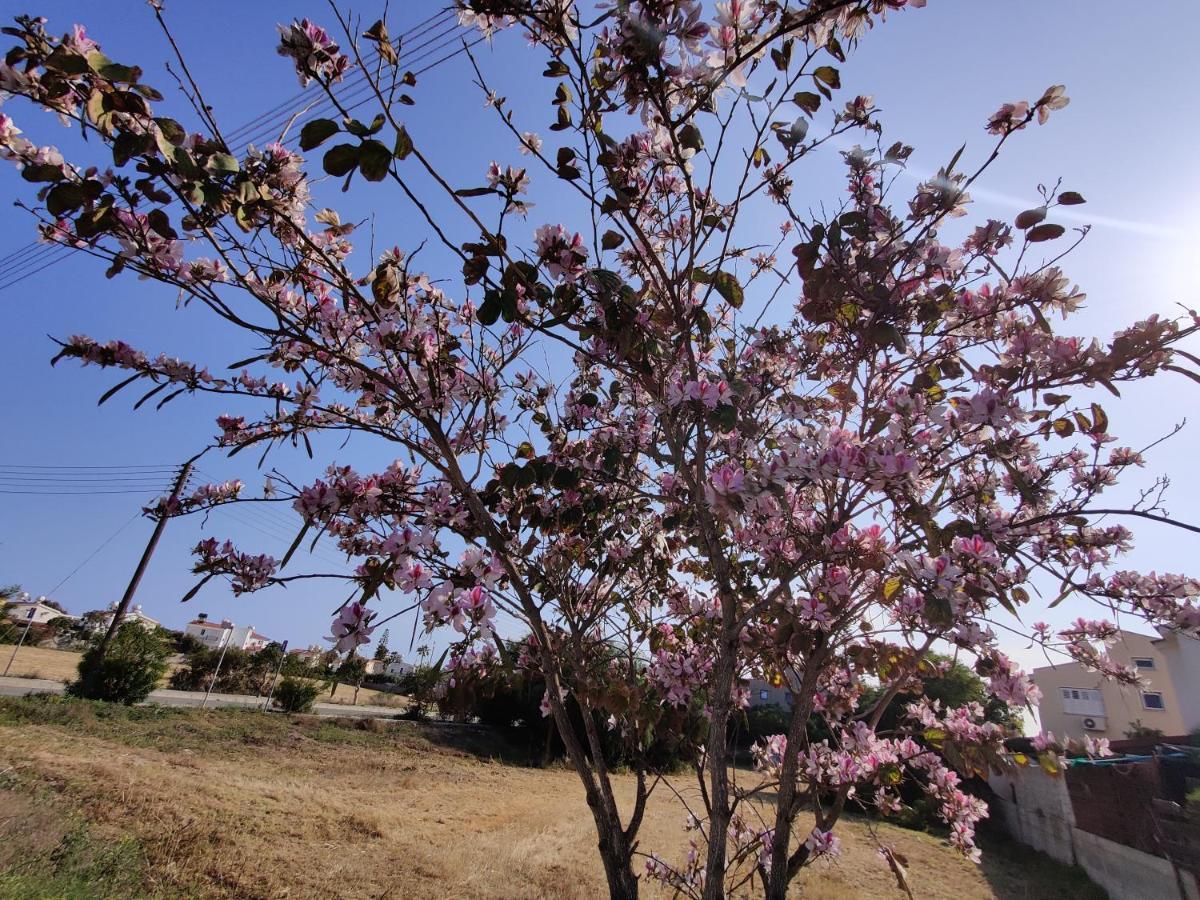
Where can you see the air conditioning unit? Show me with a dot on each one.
(1091, 723)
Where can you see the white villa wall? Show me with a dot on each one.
(1036, 809)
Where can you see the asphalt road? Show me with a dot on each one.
(19, 687)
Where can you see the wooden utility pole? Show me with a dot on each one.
(119, 612)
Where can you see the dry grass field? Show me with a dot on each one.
(98, 801)
(38, 662)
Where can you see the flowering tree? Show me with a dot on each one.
(814, 453)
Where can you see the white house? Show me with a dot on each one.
(215, 635)
(397, 667)
(133, 614)
(37, 611)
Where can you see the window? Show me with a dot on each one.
(1082, 702)
(1152, 700)
(762, 695)
(1143, 663)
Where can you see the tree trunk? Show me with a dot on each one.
(780, 877)
(720, 700)
(617, 857)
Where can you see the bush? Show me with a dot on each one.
(242, 672)
(135, 662)
(296, 696)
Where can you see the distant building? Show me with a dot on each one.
(310, 656)
(38, 611)
(767, 693)
(216, 635)
(1076, 702)
(101, 620)
(397, 667)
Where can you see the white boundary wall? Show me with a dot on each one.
(1036, 810)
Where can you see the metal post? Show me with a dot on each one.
(28, 625)
(217, 671)
(119, 612)
(279, 668)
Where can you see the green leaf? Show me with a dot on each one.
(66, 61)
(63, 198)
(1046, 232)
(829, 75)
(790, 134)
(404, 144)
(1030, 217)
(42, 172)
(222, 164)
(340, 160)
(727, 286)
(317, 132)
(489, 311)
(690, 137)
(954, 159)
(111, 71)
(374, 160)
(611, 240)
(807, 101)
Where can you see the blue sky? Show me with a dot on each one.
(1124, 143)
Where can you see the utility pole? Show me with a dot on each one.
(228, 635)
(28, 625)
(271, 692)
(119, 612)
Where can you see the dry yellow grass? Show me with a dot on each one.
(39, 662)
(238, 804)
(366, 697)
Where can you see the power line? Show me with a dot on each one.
(148, 466)
(78, 493)
(82, 479)
(264, 126)
(36, 257)
(93, 554)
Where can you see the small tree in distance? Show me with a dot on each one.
(381, 648)
(814, 452)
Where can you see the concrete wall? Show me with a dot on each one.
(1036, 810)
(1127, 873)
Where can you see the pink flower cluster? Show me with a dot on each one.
(247, 572)
(314, 52)
(564, 254)
(352, 627)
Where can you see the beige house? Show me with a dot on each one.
(37, 611)
(1076, 702)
